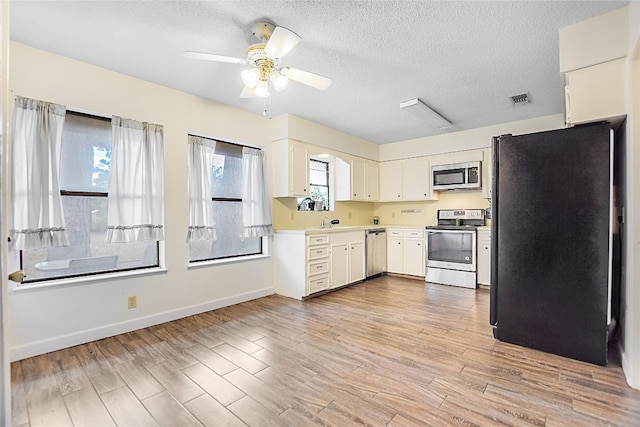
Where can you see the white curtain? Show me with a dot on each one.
(256, 210)
(36, 217)
(200, 163)
(136, 186)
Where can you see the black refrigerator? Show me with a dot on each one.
(552, 238)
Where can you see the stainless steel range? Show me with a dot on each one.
(451, 249)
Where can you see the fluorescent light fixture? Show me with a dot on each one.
(423, 112)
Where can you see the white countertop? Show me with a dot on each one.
(344, 228)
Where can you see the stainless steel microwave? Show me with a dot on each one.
(457, 176)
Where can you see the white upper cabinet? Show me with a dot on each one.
(592, 55)
(371, 176)
(416, 179)
(391, 181)
(356, 179)
(299, 170)
(290, 169)
(406, 180)
(595, 93)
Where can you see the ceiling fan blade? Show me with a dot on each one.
(307, 78)
(247, 92)
(212, 57)
(281, 41)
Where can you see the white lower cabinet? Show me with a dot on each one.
(414, 257)
(395, 253)
(307, 264)
(484, 257)
(405, 251)
(347, 258)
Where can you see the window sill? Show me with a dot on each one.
(200, 264)
(19, 287)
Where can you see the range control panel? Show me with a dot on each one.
(477, 214)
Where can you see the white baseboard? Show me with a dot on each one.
(88, 335)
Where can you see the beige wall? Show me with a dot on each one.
(471, 139)
(43, 319)
(391, 213)
(5, 369)
(286, 216)
(631, 284)
(293, 127)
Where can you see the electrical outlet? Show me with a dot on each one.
(349, 215)
(393, 214)
(132, 301)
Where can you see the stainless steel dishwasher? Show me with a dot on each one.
(376, 251)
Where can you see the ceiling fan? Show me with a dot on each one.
(264, 58)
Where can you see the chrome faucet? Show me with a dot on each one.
(323, 224)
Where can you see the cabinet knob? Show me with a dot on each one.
(345, 249)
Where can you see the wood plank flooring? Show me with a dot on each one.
(386, 352)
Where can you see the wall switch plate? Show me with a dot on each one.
(132, 301)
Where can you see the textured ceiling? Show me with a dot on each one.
(464, 59)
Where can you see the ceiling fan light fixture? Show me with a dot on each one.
(262, 89)
(279, 80)
(250, 77)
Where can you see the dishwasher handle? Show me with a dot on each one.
(376, 231)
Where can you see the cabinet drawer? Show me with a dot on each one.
(395, 233)
(318, 267)
(414, 234)
(318, 284)
(316, 252)
(318, 239)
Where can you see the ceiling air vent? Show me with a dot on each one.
(521, 99)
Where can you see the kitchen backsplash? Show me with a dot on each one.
(286, 215)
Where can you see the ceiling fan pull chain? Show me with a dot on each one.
(267, 107)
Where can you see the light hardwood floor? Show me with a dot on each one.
(388, 351)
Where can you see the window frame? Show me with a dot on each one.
(99, 194)
(216, 260)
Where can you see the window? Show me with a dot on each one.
(318, 187)
(226, 199)
(84, 182)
